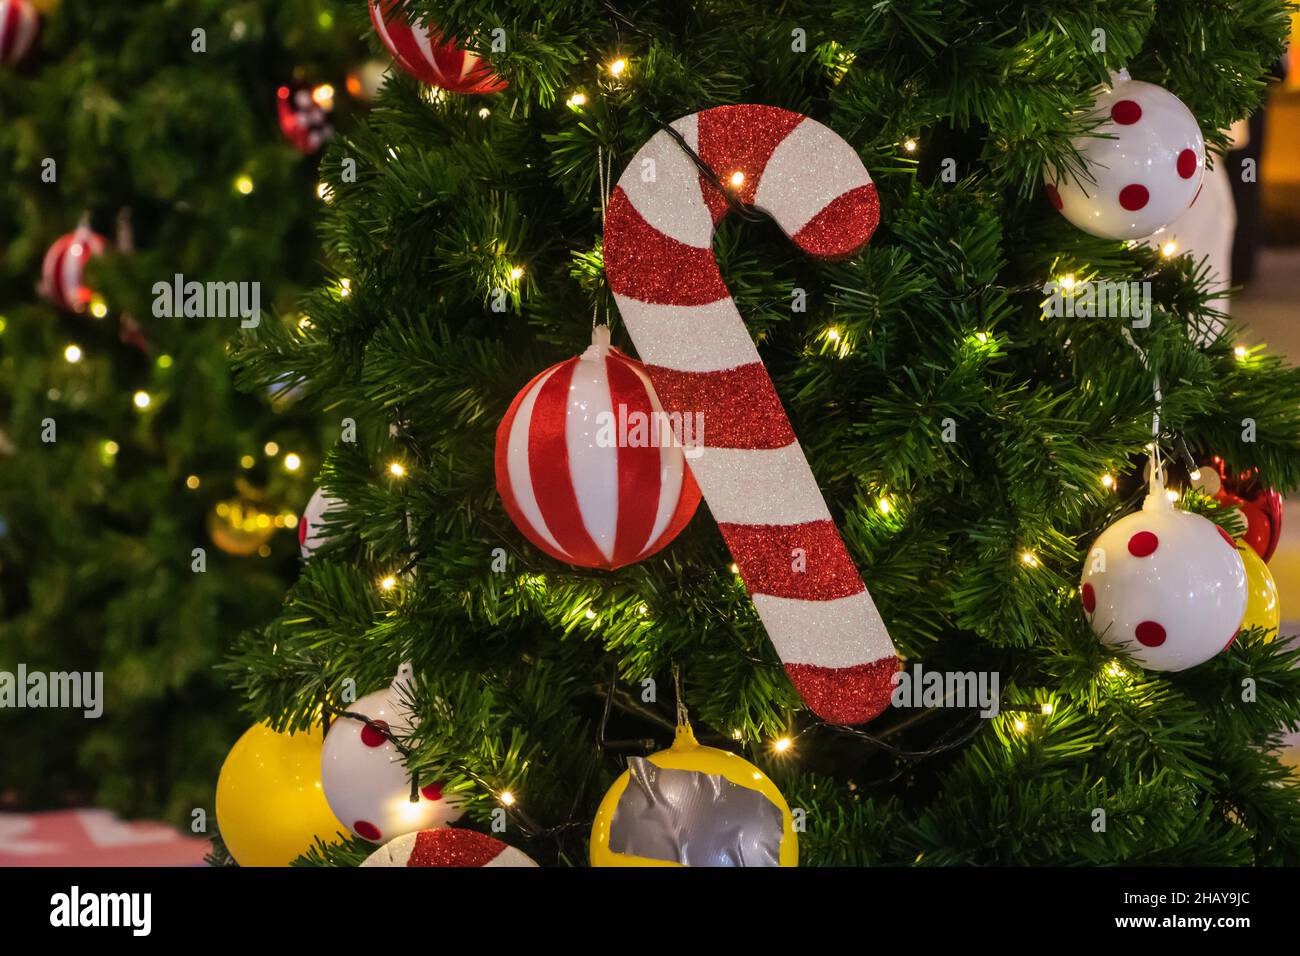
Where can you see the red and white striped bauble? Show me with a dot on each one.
(19, 24)
(447, 847)
(422, 52)
(62, 273)
(587, 465)
(661, 268)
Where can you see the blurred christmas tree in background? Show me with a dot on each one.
(157, 122)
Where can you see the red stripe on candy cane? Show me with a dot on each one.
(806, 561)
(752, 471)
(739, 405)
(741, 139)
(824, 236)
(651, 267)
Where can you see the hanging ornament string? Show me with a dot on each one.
(683, 717)
(605, 173)
(1157, 479)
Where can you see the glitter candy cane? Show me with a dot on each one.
(701, 360)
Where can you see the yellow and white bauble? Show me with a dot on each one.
(1263, 609)
(691, 805)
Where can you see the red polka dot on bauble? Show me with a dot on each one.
(1089, 598)
(1142, 544)
(1149, 634)
(1054, 195)
(1133, 197)
(1187, 163)
(372, 736)
(366, 830)
(1126, 112)
(432, 792)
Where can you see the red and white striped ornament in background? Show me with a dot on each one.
(19, 24)
(422, 52)
(62, 273)
(447, 847)
(304, 114)
(752, 470)
(588, 466)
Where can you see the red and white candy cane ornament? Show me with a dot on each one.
(63, 272)
(423, 52)
(701, 359)
(19, 24)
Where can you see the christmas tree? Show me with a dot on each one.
(971, 421)
(143, 522)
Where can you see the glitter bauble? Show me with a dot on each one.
(447, 847)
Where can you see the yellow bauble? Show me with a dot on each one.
(714, 821)
(1262, 606)
(270, 806)
(46, 6)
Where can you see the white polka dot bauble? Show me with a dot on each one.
(311, 532)
(1144, 162)
(447, 847)
(1166, 586)
(365, 781)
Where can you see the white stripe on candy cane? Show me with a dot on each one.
(804, 630)
(759, 485)
(810, 169)
(672, 335)
(663, 185)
